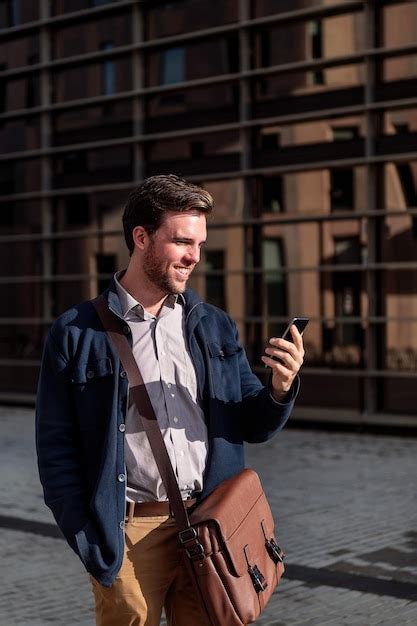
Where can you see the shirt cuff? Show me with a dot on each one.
(291, 394)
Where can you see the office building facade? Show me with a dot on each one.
(299, 117)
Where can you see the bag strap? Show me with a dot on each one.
(145, 409)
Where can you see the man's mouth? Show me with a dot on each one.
(184, 272)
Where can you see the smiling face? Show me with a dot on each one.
(172, 252)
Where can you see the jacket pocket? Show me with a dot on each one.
(91, 550)
(224, 368)
(223, 350)
(91, 371)
(93, 388)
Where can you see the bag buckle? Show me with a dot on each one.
(195, 552)
(274, 551)
(258, 579)
(187, 535)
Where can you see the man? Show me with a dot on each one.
(99, 476)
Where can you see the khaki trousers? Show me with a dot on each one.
(152, 576)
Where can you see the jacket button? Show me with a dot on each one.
(122, 524)
(121, 478)
(123, 374)
(126, 330)
(90, 374)
(221, 354)
(122, 427)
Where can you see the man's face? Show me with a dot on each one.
(173, 251)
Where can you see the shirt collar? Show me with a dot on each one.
(129, 303)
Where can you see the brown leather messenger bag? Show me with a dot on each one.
(228, 540)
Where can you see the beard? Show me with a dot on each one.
(157, 273)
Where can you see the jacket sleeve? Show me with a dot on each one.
(57, 444)
(262, 416)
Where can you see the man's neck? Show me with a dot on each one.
(140, 288)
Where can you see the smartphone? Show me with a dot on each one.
(299, 322)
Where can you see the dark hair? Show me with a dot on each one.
(149, 202)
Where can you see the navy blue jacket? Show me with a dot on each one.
(81, 405)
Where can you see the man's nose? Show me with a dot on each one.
(193, 254)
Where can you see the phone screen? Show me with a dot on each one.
(299, 322)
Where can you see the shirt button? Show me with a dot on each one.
(123, 374)
(90, 374)
(163, 353)
(181, 452)
(126, 330)
(121, 478)
(122, 427)
(175, 419)
(122, 525)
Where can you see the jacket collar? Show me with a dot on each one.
(112, 298)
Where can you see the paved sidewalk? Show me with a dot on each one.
(347, 516)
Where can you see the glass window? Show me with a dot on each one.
(7, 211)
(341, 188)
(275, 288)
(215, 285)
(3, 68)
(347, 293)
(264, 48)
(20, 176)
(106, 265)
(15, 218)
(172, 66)
(108, 83)
(272, 194)
(197, 149)
(16, 93)
(18, 12)
(270, 141)
(344, 133)
(316, 49)
(77, 210)
(13, 12)
(406, 178)
(85, 81)
(32, 84)
(19, 135)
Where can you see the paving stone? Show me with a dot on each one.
(342, 502)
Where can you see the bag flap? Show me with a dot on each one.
(230, 502)
(247, 544)
(238, 507)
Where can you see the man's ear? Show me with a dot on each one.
(140, 237)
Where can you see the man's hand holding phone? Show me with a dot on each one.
(285, 357)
